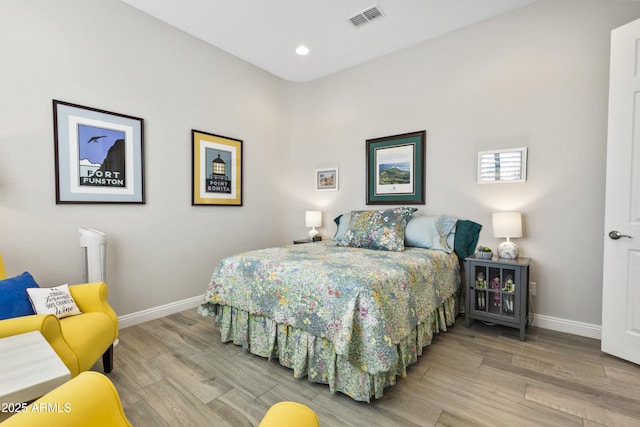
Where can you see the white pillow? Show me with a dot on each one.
(56, 301)
(343, 224)
(431, 232)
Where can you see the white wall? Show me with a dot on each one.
(109, 55)
(535, 77)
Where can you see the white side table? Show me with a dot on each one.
(29, 368)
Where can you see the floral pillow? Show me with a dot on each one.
(381, 229)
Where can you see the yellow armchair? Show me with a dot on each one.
(78, 340)
(90, 399)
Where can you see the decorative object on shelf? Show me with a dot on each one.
(481, 283)
(327, 179)
(507, 224)
(481, 297)
(481, 300)
(98, 155)
(484, 252)
(313, 219)
(495, 285)
(396, 169)
(508, 286)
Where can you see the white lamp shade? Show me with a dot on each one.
(313, 218)
(507, 224)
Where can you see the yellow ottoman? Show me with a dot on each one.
(290, 414)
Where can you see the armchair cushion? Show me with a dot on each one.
(14, 301)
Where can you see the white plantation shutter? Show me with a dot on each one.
(502, 166)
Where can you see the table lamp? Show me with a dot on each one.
(313, 219)
(507, 224)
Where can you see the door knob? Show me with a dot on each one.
(615, 235)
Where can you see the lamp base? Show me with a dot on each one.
(313, 233)
(508, 250)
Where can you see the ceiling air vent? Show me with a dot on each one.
(367, 15)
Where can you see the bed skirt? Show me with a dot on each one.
(315, 357)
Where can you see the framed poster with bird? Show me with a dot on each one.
(98, 155)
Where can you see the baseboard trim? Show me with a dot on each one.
(582, 329)
(157, 312)
(540, 320)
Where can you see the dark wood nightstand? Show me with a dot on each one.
(497, 291)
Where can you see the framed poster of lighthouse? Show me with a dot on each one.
(217, 170)
(98, 155)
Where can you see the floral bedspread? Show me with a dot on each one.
(365, 302)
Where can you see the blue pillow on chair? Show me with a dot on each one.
(14, 301)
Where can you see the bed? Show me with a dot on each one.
(343, 315)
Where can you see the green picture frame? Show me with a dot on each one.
(396, 169)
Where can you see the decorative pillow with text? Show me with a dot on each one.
(56, 301)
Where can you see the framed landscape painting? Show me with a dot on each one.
(217, 170)
(98, 155)
(327, 179)
(396, 169)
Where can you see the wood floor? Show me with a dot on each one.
(174, 371)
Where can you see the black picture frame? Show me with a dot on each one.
(99, 155)
(396, 169)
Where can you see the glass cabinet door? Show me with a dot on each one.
(495, 290)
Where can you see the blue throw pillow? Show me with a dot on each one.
(14, 301)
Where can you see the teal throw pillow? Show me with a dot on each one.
(466, 238)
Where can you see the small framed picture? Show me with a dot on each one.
(327, 179)
(217, 170)
(98, 155)
(396, 169)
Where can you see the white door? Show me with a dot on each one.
(621, 278)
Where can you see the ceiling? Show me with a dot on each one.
(266, 32)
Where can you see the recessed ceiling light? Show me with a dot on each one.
(302, 50)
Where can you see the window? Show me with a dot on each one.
(502, 166)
